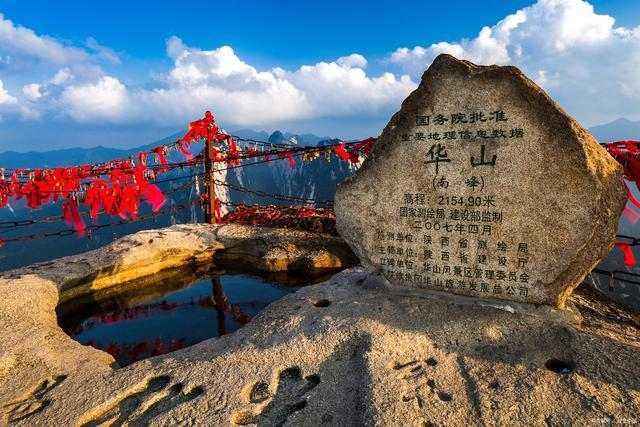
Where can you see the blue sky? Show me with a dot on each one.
(267, 34)
(125, 73)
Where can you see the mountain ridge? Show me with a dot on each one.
(79, 156)
(618, 129)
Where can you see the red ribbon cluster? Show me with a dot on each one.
(204, 128)
(120, 193)
(627, 153)
(319, 220)
(352, 153)
(117, 187)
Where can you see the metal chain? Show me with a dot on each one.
(58, 218)
(613, 278)
(100, 172)
(90, 228)
(295, 152)
(265, 194)
(628, 240)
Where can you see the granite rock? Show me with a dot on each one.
(370, 354)
(481, 185)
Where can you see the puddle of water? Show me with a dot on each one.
(153, 319)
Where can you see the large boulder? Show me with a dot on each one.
(481, 185)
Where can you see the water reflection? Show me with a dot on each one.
(148, 319)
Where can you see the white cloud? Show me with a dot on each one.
(62, 76)
(241, 95)
(237, 92)
(5, 98)
(337, 89)
(32, 91)
(24, 42)
(590, 66)
(106, 99)
(355, 60)
(28, 113)
(103, 52)
(587, 64)
(219, 80)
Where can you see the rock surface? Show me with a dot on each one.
(481, 185)
(148, 252)
(351, 351)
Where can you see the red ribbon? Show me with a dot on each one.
(216, 207)
(342, 153)
(184, 151)
(72, 216)
(202, 129)
(631, 215)
(154, 196)
(627, 153)
(629, 258)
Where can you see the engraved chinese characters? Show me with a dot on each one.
(482, 186)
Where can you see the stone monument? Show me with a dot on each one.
(481, 185)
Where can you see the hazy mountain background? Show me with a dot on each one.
(74, 156)
(617, 130)
(78, 156)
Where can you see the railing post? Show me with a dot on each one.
(209, 210)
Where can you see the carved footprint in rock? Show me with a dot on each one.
(418, 385)
(35, 402)
(291, 394)
(140, 407)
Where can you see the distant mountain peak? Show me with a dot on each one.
(276, 137)
(624, 120)
(619, 121)
(619, 129)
